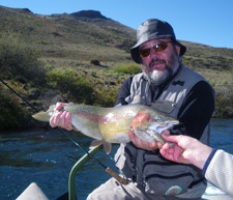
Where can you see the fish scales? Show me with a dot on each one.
(113, 124)
(110, 124)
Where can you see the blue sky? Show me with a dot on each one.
(207, 22)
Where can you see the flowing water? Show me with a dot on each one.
(47, 156)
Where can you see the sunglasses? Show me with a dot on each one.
(157, 48)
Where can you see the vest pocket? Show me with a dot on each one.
(167, 183)
(166, 178)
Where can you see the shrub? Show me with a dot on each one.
(72, 86)
(12, 114)
(224, 101)
(19, 60)
(128, 69)
(106, 97)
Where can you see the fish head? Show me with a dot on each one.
(157, 127)
(147, 120)
(141, 120)
(160, 125)
(148, 126)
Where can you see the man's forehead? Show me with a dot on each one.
(155, 41)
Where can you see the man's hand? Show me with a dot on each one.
(62, 118)
(144, 145)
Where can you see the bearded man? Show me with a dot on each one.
(168, 86)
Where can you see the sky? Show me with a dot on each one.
(208, 22)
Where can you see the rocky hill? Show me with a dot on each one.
(83, 35)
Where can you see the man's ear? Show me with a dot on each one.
(178, 49)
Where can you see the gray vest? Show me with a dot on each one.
(154, 175)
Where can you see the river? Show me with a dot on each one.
(46, 157)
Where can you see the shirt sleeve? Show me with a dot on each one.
(196, 111)
(124, 92)
(208, 161)
(220, 171)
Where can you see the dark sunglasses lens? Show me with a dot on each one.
(160, 47)
(144, 52)
(157, 48)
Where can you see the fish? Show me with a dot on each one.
(109, 125)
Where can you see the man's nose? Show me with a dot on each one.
(153, 52)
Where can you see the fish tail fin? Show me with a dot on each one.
(44, 116)
(41, 116)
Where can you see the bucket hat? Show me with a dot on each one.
(150, 30)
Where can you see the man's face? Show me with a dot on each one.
(160, 59)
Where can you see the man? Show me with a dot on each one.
(168, 86)
(216, 164)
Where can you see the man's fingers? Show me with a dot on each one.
(60, 105)
(132, 135)
(143, 144)
(66, 120)
(169, 138)
(54, 120)
(61, 119)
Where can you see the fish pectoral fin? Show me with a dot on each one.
(143, 135)
(107, 146)
(156, 136)
(95, 143)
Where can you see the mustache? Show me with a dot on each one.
(155, 61)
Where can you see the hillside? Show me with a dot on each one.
(84, 56)
(84, 35)
(88, 35)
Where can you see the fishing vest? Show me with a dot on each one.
(154, 175)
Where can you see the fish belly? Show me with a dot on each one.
(87, 127)
(115, 129)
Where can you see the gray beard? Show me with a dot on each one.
(157, 77)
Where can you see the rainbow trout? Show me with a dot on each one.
(111, 125)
